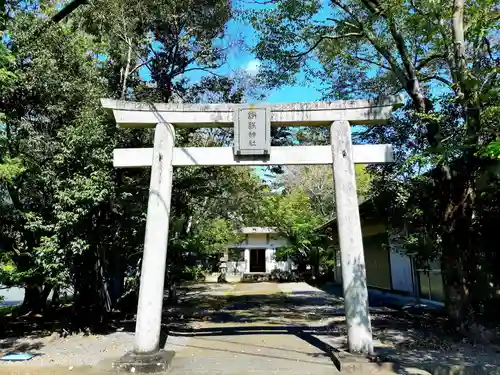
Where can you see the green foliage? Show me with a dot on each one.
(493, 149)
(68, 217)
(165, 38)
(203, 247)
(317, 182)
(9, 169)
(360, 48)
(6, 60)
(214, 236)
(297, 221)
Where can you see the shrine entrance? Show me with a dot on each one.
(258, 260)
(252, 147)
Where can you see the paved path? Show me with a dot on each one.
(257, 330)
(292, 328)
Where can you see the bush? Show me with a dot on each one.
(283, 276)
(193, 274)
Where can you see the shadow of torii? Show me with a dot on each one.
(304, 333)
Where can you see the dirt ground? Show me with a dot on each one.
(263, 328)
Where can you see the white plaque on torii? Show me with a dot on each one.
(252, 130)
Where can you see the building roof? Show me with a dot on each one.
(250, 230)
(367, 212)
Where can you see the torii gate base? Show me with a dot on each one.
(146, 356)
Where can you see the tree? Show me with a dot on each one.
(297, 221)
(56, 86)
(306, 200)
(317, 182)
(69, 219)
(165, 39)
(365, 47)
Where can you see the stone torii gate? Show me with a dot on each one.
(251, 148)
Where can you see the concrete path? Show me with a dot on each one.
(230, 329)
(257, 330)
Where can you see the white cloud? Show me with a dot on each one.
(252, 67)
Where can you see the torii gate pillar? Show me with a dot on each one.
(342, 155)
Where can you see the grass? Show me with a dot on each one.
(6, 310)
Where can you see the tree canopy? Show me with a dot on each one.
(445, 57)
(69, 219)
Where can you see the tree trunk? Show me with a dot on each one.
(126, 71)
(457, 295)
(116, 277)
(55, 297)
(458, 259)
(104, 298)
(32, 296)
(35, 298)
(93, 300)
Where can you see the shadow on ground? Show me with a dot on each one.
(407, 336)
(410, 336)
(17, 345)
(223, 334)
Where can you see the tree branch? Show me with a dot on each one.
(403, 51)
(496, 17)
(411, 75)
(388, 57)
(373, 7)
(67, 10)
(346, 10)
(145, 62)
(488, 47)
(265, 2)
(204, 70)
(415, 8)
(324, 37)
(343, 21)
(378, 47)
(437, 78)
(490, 78)
(458, 33)
(423, 63)
(373, 62)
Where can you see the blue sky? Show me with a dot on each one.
(239, 58)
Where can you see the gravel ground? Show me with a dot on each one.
(79, 350)
(76, 350)
(234, 310)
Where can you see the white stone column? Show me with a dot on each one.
(247, 260)
(351, 241)
(151, 293)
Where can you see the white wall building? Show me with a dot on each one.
(256, 253)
